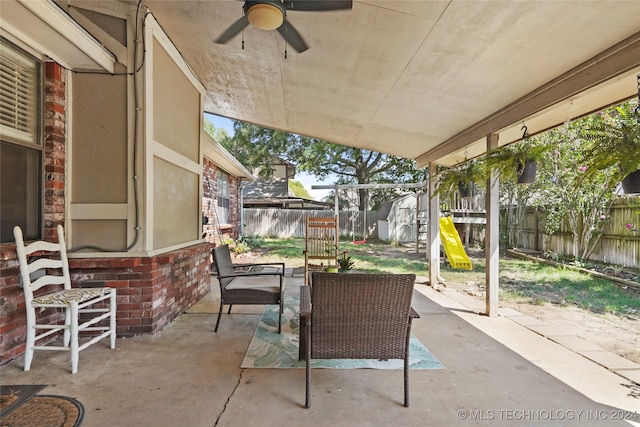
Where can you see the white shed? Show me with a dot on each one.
(397, 219)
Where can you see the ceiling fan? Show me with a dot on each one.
(272, 14)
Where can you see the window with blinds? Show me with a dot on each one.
(20, 143)
(223, 196)
(19, 88)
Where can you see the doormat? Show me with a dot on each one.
(268, 349)
(13, 395)
(21, 407)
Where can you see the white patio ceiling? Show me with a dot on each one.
(426, 80)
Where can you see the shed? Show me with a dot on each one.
(397, 219)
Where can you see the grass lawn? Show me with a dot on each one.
(520, 280)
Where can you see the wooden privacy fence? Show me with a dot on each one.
(619, 244)
(284, 223)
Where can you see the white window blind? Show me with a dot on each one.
(19, 115)
(223, 197)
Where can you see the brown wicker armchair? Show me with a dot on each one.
(356, 316)
(258, 283)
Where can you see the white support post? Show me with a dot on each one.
(433, 239)
(492, 244)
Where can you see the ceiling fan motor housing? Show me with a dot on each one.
(265, 15)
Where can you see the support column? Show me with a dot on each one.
(492, 242)
(433, 237)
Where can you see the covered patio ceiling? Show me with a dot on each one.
(426, 80)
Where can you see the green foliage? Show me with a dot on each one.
(461, 175)
(346, 263)
(255, 147)
(217, 134)
(253, 242)
(568, 193)
(298, 189)
(508, 160)
(612, 140)
(241, 247)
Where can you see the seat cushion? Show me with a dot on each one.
(261, 283)
(68, 295)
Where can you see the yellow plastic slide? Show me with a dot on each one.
(453, 245)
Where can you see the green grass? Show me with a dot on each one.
(520, 280)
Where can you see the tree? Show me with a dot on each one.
(298, 189)
(255, 146)
(568, 193)
(216, 133)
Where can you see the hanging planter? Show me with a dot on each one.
(516, 162)
(631, 183)
(613, 142)
(527, 174)
(461, 178)
(464, 189)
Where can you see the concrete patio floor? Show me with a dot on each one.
(498, 372)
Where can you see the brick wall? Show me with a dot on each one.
(210, 203)
(152, 291)
(13, 323)
(54, 149)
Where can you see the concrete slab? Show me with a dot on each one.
(497, 373)
(527, 321)
(508, 312)
(576, 343)
(580, 373)
(632, 375)
(550, 330)
(609, 360)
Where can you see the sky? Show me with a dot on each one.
(302, 177)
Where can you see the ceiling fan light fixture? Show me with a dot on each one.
(265, 16)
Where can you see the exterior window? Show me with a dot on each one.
(20, 143)
(223, 197)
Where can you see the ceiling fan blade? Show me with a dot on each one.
(292, 36)
(317, 5)
(234, 29)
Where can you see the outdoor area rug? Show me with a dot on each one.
(268, 349)
(21, 407)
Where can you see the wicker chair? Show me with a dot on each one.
(257, 283)
(356, 316)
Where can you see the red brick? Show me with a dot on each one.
(117, 284)
(129, 322)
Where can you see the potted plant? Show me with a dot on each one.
(516, 162)
(612, 140)
(345, 263)
(461, 178)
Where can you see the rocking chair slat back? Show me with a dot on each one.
(321, 244)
